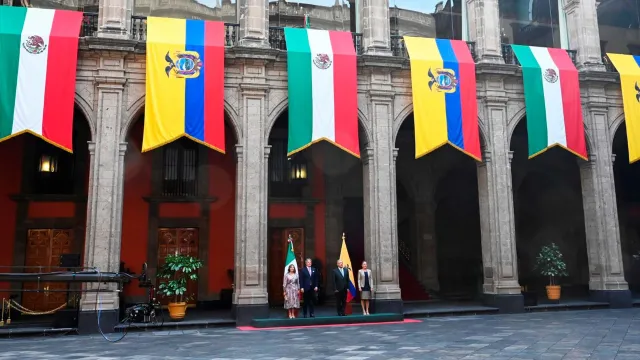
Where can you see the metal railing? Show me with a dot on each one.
(139, 31)
(277, 41)
(399, 49)
(510, 58)
(89, 24)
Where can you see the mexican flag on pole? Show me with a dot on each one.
(291, 257)
(323, 89)
(552, 100)
(39, 50)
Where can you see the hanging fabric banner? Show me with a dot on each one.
(445, 109)
(552, 100)
(629, 69)
(323, 89)
(185, 83)
(38, 78)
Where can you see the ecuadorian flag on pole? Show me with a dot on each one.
(185, 82)
(629, 68)
(443, 81)
(346, 262)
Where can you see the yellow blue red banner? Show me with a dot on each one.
(346, 261)
(185, 82)
(443, 80)
(629, 68)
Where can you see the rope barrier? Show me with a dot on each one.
(6, 308)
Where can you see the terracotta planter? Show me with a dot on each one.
(177, 310)
(553, 292)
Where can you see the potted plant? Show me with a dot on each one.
(550, 263)
(177, 271)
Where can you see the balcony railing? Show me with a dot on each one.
(89, 24)
(276, 39)
(399, 49)
(510, 58)
(139, 30)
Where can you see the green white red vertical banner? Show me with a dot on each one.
(323, 89)
(39, 50)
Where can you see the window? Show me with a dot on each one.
(444, 19)
(219, 10)
(533, 22)
(180, 169)
(281, 172)
(53, 170)
(339, 15)
(619, 26)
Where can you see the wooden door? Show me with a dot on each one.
(44, 247)
(278, 242)
(182, 241)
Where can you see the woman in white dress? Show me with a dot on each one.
(291, 289)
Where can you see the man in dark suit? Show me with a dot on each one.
(309, 287)
(341, 283)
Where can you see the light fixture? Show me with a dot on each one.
(48, 164)
(298, 168)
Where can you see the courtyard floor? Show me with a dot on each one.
(594, 334)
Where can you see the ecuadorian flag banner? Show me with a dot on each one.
(629, 68)
(185, 82)
(346, 262)
(445, 110)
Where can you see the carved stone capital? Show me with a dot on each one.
(91, 145)
(510, 155)
(239, 152)
(122, 148)
(613, 159)
(267, 151)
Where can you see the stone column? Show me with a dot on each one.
(379, 173)
(114, 18)
(250, 291)
(497, 224)
(484, 30)
(375, 27)
(426, 245)
(582, 26)
(104, 205)
(606, 270)
(253, 17)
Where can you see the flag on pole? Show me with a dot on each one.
(346, 262)
(185, 82)
(38, 78)
(629, 68)
(552, 100)
(323, 89)
(307, 21)
(291, 257)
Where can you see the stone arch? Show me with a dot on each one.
(408, 110)
(521, 114)
(82, 105)
(284, 104)
(137, 109)
(614, 126)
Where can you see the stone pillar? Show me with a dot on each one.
(114, 18)
(497, 224)
(379, 174)
(606, 270)
(250, 286)
(375, 27)
(484, 30)
(582, 26)
(426, 244)
(104, 206)
(253, 17)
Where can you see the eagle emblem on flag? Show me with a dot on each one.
(637, 92)
(322, 61)
(34, 44)
(444, 80)
(550, 75)
(184, 64)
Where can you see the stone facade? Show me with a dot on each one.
(111, 90)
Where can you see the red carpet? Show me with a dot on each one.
(411, 288)
(251, 328)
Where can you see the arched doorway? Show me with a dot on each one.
(627, 177)
(43, 207)
(548, 208)
(180, 198)
(315, 196)
(438, 222)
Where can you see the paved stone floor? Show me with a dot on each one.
(595, 334)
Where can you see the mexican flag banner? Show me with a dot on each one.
(323, 89)
(291, 257)
(39, 50)
(552, 100)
